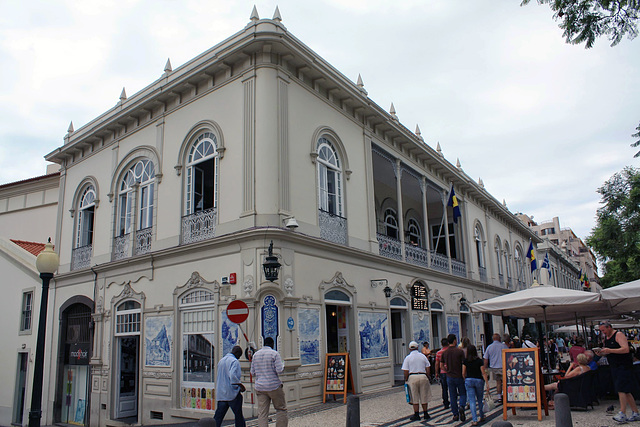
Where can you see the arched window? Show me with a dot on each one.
(329, 178)
(507, 263)
(498, 248)
(391, 223)
(519, 265)
(397, 303)
(86, 212)
(478, 237)
(202, 174)
(143, 174)
(414, 232)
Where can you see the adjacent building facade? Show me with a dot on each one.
(170, 200)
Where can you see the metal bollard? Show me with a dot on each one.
(206, 422)
(353, 411)
(563, 410)
(502, 424)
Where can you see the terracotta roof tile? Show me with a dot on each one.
(32, 247)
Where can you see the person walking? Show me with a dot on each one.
(561, 347)
(452, 359)
(493, 362)
(441, 374)
(415, 367)
(475, 377)
(229, 388)
(616, 348)
(265, 367)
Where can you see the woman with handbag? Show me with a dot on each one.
(475, 378)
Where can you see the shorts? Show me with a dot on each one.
(420, 389)
(623, 379)
(496, 373)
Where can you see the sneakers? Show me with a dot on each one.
(415, 417)
(463, 417)
(426, 415)
(634, 417)
(620, 418)
(455, 418)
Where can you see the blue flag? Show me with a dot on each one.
(532, 257)
(453, 202)
(545, 262)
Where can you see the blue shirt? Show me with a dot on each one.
(265, 366)
(229, 375)
(493, 353)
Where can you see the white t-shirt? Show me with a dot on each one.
(415, 363)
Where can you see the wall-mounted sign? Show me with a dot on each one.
(290, 323)
(419, 297)
(232, 278)
(79, 354)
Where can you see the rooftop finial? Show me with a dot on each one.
(254, 14)
(480, 182)
(123, 95)
(438, 149)
(392, 111)
(360, 84)
(458, 165)
(504, 203)
(276, 15)
(70, 130)
(418, 134)
(167, 67)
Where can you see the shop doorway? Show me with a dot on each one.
(127, 387)
(466, 330)
(338, 313)
(20, 388)
(74, 374)
(399, 336)
(437, 324)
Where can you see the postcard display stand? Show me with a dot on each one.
(522, 385)
(337, 376)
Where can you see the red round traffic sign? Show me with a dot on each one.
(237, 311)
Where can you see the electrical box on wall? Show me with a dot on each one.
(232, 278)
(225, 280)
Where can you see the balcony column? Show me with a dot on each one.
(445, 200)
(425, 216)
(398, 173)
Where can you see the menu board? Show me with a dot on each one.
(419, 297)
(522, 384)
(337, 375)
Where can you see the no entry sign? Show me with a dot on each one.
(237, 311)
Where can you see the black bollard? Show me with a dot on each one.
(206, 422)
(563, 410)
(502, 424)
(353, 411)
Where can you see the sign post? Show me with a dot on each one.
(238, 312)
(522, 384)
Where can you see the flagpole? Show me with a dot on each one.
(444, 206)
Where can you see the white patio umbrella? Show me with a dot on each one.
(623, 298)
(573, 329)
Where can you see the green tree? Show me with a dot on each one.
(635, 144)
(583, 21)
(616, 236)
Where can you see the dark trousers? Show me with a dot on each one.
(445, 389)
(457, 390)
(236, 407)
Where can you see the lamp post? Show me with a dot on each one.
(46, 263)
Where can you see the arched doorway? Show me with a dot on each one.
(437, 323)
(399, 338)
(466, 330)
(74, 373)
(338, 321)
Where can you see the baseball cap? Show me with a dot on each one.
(413, 345)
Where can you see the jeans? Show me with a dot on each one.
(445, 389)
(236, 407)
(475, 392)
(456, 389)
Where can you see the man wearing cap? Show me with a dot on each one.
(415, 375)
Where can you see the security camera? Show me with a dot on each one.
(291, 223)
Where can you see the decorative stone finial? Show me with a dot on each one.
(458, 165)
(438, 149)
(504, 203)
(123, 95)
(254, 14)
(480, 182)
(361, 84)
(418, 134)
(276, 15)
(70, 130)
(167, 67)
(392, 111)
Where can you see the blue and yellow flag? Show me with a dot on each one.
(532, 256)
(453, 202)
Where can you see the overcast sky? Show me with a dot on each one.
(543, 123)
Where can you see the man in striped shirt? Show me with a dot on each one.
(265, 367)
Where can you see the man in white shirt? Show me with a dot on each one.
(493, 362)
(415, 375)
(527, 343)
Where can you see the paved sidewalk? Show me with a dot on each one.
(389, 409)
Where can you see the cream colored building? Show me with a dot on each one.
(168, 204)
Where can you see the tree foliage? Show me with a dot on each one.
(583, 21)
(635, 144)
(616, 236)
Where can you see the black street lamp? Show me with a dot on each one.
(271, 265)
(46, 263)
